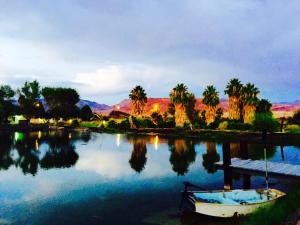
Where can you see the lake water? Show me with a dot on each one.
(114, 179)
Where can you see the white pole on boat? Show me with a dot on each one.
(267, 178)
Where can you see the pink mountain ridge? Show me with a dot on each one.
(161, 105)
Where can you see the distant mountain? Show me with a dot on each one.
(279, 109)
(96, 107)
(162, 104)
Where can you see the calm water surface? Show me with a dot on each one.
(113, 179)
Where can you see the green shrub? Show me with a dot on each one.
(265, 122)
(223, 125)
(237, 125)
(74, 123)
(169, 123)
(124, 124)
(292, 128)
(111, 124)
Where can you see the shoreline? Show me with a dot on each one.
(205, 134)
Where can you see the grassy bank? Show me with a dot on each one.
(208, 134)
(277, 214)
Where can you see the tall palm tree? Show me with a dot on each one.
(180, 97)
(250, 100)
(233, 90)
(211, 100)
(138, 99)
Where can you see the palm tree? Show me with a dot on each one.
(233, 90)
(180, 97)
(250, 100)
(138, 99)
(211, 101)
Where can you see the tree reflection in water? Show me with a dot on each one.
(210, 157)
(6, 160)
(182, 155)
(61, 152)
(138, 157)
(23, 152)
(28, 157)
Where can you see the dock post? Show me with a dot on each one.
(246, 181)
(226, 154)
(244, 150)
(226, 165)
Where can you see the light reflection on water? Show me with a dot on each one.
(90, 178)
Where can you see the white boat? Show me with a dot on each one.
(231, 203)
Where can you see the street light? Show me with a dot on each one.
(155, 107)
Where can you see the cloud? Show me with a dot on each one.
(152, 43)
(111, 79)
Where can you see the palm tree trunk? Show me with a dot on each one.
(210, 114)
(249, 113)
(234, 108)
(181, 117)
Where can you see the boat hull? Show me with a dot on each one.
(226, 211)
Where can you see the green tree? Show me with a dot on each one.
(7, 107)
(249, 101)
(138, 99)
(61, 102)
(86, 113)
(265, 122)
(234, 91)
(157, 119)
(264, 106)
(181, 98)
(211, 100)
(296, 117)
(29, 102)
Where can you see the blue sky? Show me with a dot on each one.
(105, 47)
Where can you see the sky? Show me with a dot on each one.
(103, 48)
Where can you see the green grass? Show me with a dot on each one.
(90, 124)
(277, 213)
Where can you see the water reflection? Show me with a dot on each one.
(132, 178)
(210, 157)
(23, 150)
(182, 155)
(138, 157)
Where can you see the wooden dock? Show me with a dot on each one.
(259, 166)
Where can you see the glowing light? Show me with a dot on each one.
(70, 121)
(37, 104)
(118, 139)
(36, 144)
(156, 142)
(118, 107)
(39, 135)
(156, 107)
(19, 136)
(70, 136)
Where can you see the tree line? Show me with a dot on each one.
(244, 105)
(60, 102)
